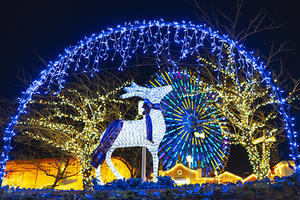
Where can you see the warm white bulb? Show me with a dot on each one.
(202, 135)
(189, 158)
(199, 135)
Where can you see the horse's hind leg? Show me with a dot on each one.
(153, 152)
(111, 165)
(98, 176)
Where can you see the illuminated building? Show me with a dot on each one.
(180, 174)
(284, 168)
(26, 175)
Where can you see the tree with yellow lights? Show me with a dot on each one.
(73, 120)
(250, 109)
(248, 104)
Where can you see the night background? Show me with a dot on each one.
(36, 32)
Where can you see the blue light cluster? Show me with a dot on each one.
(156, 38)
(194, 126)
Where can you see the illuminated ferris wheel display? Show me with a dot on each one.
(195, 128)
(193, 125)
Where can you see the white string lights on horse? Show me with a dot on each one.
(147, 132)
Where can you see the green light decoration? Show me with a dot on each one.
(194, 126)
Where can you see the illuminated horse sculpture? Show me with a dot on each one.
(137, 133)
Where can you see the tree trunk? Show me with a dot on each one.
(86, 171)
(55, 183)
(259, 161)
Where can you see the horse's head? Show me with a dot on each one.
(155, 95)
(134, 91)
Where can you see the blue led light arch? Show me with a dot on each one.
(155, 38)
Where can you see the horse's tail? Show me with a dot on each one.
(99, 154)
(98, 169)
(95, 161)
(106, 141)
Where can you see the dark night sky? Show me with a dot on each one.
(34, 30)
(31, 30)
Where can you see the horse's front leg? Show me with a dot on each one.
(153, 152)
(111, 165)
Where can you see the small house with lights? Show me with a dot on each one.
(183, 175)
